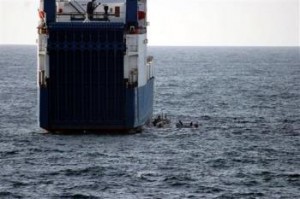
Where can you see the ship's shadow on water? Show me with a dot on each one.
(245, 100)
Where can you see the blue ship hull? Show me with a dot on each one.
(138, 111)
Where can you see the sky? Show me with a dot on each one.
(185, 22)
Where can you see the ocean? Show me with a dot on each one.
(246, 101)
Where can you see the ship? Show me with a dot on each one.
(93, 71)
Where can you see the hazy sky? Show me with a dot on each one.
(185, 22)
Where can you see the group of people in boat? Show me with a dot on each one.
(180, 124)
(162, 121)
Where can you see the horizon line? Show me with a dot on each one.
(16, 44)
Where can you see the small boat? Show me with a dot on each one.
(180, 124)
(161, 121)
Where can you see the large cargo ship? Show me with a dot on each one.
(93, 70)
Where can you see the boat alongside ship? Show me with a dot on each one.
(94, 73)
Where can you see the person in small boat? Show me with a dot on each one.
(90, 8)
(196, 125)
(179, 124)
(156, 120)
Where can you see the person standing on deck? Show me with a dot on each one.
(90, 8)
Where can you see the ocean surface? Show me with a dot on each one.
(246, 101)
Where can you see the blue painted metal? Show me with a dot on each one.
(139, 105)
(50, 10)
(131, 13)
(43, 107)
(86, 89)
(130, 107)
(145, 102)
(74, 36)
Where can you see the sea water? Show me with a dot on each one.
(246, 101)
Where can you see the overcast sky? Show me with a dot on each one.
(185, 22)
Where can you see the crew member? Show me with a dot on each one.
(90, 8)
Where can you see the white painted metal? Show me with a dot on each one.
(142, 51)
(135, 60)
(43, 57)
(65, 9)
